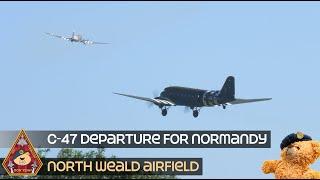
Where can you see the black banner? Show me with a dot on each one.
(119, 166)
(142, 139)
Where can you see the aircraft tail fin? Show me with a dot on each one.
(228, 90)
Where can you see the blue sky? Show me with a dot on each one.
(271, 48)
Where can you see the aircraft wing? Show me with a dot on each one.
(58, 36)
(241, 101)
(153, 100)
(92, 42)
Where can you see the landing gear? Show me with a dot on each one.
(224, 106)
(195, 112)
(164, 112)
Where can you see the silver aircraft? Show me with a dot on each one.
(76, 38)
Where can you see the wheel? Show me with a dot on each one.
(164, 112)
(224, 106)
(195, 113)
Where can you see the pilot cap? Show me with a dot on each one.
(294, 137)
(18, 153)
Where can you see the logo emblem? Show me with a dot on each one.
(22, 160)
(300, 135)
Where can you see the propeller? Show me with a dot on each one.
(149, 104)
(155, 94)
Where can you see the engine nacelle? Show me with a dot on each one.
(211, 98)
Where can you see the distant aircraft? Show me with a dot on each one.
(76, 38)
(196, 98)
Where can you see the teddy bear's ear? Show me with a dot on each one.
(316, 148)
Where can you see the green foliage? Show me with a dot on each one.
(71, 153)
(43, 152)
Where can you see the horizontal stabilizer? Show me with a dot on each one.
(241, 101)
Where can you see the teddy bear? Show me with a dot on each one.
(298, 152)
(22, 158)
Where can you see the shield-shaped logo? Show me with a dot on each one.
(22, 160)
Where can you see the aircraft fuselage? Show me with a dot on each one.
(183, 96)
(75, 38)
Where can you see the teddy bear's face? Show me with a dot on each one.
(23, 159)
(302, 152)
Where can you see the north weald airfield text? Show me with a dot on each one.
(119, 166)
(150, 139)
